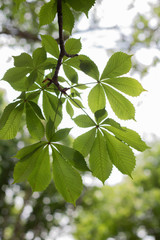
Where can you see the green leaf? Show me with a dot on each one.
(120, 154)
(76, 102)
(111, 122)
(6, 113)
(18, 2)
(67, 180)
(39, 57)
(47, 13)
(49, 63)
(73, 46)
(84, 142)
(31, 78)
(74, 157)
(127, 85)
(99, 160)
(60, 134)
(50, 129)
(100, 115)
(84, 121)
(23, 60)
(36, 109)
(68, 18)
(50, 45)
(50, 104)
(129, 136)
(70, 73)
(34, 167)
(118, 64)
(34, 125)
(33, 95)
(121, 106)
(16, 77)
(69, 109)
(96, 98)
(85, 64)
(81, 5)
(11, 121)
(40, 176)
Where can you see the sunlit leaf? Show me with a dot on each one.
(84, 121)
(50, 45)
(47, 13)
(96, 98)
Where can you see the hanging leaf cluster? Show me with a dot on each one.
(105, 142)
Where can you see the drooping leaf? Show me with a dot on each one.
(52, 108)
(118, 64)
(129, 136)
(60, 134)
(11, 121)
(120, 154)
(81, 5)
(127, 85)
(84, 121)
(16, 77)
(50, 129)
(47, 13)
(85, 64)
(67, 180)
(34, 167)
(50, 45)
(96, 98)
(70, 73)
(100, 115)
(99, 160)
(121, 106)
(73, 46)
(34, 125)
(23, 60)
(39, 57)
(68, 18)
(69, 109)
(84, 142)
(74, 157)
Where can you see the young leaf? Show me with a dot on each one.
(23, 60)
(68, 18)
(121, 106)
(85, 64)
(81, 5)
(60, 134)
(74, 157)
(99, 160)
(70, 73)
(50, 45)
(34, 125)
(69, 109)
(129, 136)
(39, 57)
(120, 154)
(76, 102)
(118, 64)
(73, 46)
(11, 121)
(84, 121)
(84, 142)
(100, 115)
(127, 85)
(96, 98)
(47, 13)
(34, 167)
(16, 77)
(50, 129)
(67, 180)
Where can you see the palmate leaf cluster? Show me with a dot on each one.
(105, 142)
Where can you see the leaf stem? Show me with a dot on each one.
(57, 108)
